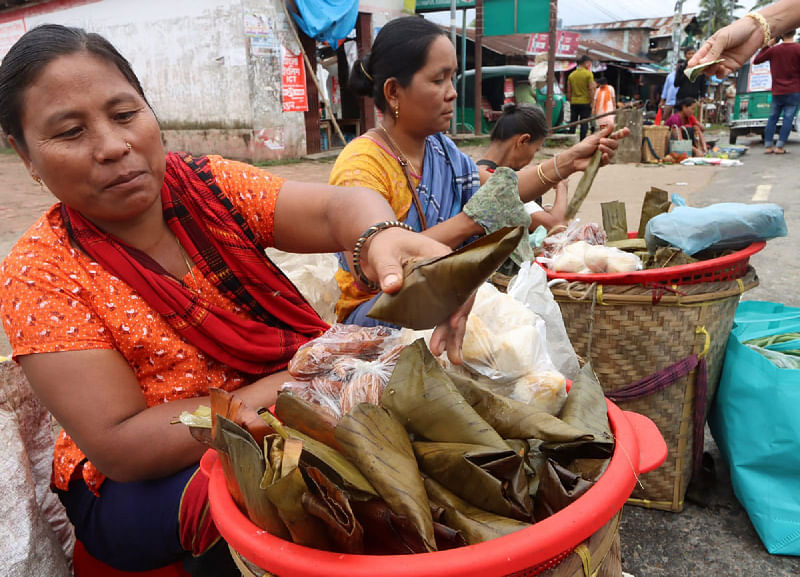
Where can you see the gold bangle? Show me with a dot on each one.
(543, 177)
(369, 233)
(758, 17)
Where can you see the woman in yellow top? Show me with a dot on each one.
(429, 183)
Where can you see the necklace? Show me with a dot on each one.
(401, 158)
(186, 260)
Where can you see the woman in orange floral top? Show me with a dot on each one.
(147, 284)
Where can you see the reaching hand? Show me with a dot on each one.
(734, 44)
(602, 139)
(385, 254)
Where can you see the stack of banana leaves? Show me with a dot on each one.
(442, 462)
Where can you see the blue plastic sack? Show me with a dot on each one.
(755, 420)
(727, 225)
(327, 20)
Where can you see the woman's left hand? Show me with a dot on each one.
(382, 259)
(604, 140)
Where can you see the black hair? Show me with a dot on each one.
(399, 51)
(36, 49)
(520, 119)
(688, 101)
(602, 81)
(689, 48)
(583, 59)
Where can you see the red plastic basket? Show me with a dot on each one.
(728, 267)
(639, 448)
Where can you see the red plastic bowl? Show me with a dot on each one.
(728, 267)
(639, 448)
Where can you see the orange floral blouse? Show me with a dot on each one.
(55, 298)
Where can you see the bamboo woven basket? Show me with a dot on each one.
(598, 556)
(658, 137)
(632, 331)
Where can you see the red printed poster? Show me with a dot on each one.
(295, 98)
(566, 44)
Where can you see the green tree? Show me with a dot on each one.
(715, 14)
(762, 3)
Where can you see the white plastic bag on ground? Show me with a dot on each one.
(36, 537)
(314, 275)
(529, 287)
(505, 343)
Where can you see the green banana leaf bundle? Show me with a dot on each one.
(443, 461)
(434, 289)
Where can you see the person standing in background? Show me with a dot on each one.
(669, 93)
(784, 65)
(730, 100)
(686, 88)
(604, 101)
(580, 93)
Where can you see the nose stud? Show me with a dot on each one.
(128, 145)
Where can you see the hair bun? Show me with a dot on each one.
(509, 107)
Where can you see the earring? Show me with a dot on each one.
(128, 145)
(38, 180)
(396, 111)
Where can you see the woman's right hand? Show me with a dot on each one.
(734, 44)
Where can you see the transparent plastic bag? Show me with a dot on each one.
(529, 287)
(314, 275)
(505, 343)
(345, 366)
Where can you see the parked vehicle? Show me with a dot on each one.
(495, 84)
(753, 102)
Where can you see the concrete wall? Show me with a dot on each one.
(212, 91)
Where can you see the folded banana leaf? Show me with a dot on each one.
(386, 533)
(380, 448)
(476, 525)
(558, 488)
(199, 423)
(422, 397)
(434, 289)
(589, 469)
(234, 409)
(328, 503)
(334, 465)
(513, 419)
(247, 460)
(487, 478)
(300, 415)
(585, 409)
(286, 495)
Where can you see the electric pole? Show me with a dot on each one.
(677, 29)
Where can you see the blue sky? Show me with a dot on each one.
(590, 11)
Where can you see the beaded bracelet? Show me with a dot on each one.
(543, 177)
(555, 167)
(758, 17)
(369, 233)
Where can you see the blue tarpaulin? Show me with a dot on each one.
(326, 20)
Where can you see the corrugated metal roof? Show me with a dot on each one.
(661, 26)
(517, 45)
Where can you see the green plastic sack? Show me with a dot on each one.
(755, 421)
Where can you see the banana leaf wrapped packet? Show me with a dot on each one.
(434, 289)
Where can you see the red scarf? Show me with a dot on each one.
(216, 238)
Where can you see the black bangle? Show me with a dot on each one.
(370, 232)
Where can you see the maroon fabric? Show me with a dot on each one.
(664, 378)
(218, 240)
(784, 65)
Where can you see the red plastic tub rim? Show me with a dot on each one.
(662, 275)
(640, 448)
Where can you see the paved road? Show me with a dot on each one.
(719, 539)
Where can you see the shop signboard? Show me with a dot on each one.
(566, 44)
